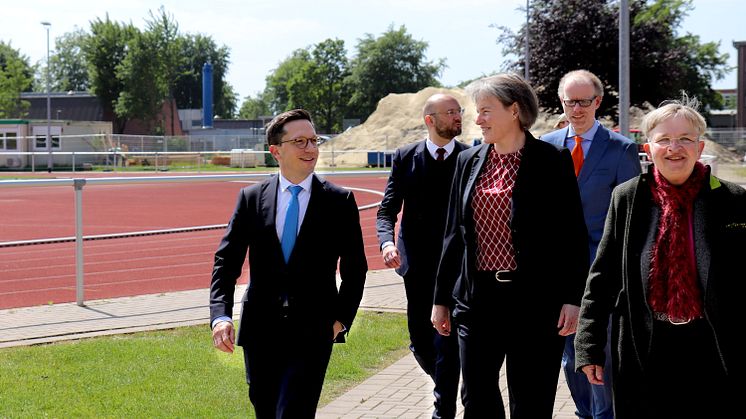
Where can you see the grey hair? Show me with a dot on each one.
(686, 108)
(508, 89)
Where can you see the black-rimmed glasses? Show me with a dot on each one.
(302, 142)
(450, 112)
(584, 103)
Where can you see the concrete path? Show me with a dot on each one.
(400, 391)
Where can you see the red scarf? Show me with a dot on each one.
(674, 288)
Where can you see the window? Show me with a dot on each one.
(8, 141)
(41, 142)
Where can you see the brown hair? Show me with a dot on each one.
(508, 89)
(276, 127)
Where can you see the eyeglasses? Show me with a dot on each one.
(450, 112)
(584, 103)
(682, 141)
(302, 142)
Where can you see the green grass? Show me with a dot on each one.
(171, 373)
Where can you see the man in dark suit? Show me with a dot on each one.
(603, 159)
(420, 180)
(297, 227)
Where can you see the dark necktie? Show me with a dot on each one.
(291, 223)
(441, 152)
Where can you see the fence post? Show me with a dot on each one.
(73, 162)
(79, 284)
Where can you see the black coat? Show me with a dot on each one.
(546, 224)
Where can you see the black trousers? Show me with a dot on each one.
(507, 326)
(285, 371)
(437, 355)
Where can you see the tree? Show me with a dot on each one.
(328, 72)
(278, 81)
(198, 50)
(105, 50)
(143, 86)
(68, 68)
(393, 63)
(254, 107)
(572, 34)
(16, 76)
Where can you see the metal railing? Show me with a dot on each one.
(79, 183)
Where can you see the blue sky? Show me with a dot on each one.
(261, 33)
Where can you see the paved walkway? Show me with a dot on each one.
(400, 391)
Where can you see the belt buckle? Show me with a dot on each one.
(502, 273)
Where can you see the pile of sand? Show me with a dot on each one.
(398, 121)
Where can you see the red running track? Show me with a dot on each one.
(43, 274)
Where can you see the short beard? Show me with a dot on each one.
(447, 132)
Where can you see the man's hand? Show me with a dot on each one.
(595, 374)
(224, 337)
(568, 319)
(441, 319)
(391, 256)
(338, 327)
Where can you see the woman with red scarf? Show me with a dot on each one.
(669, 276)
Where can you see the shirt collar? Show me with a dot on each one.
(431, 147)
(588, 135)
(305, 183)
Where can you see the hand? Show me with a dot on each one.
(441, 319)
(568, 319)
(391, 256)
(595, 374)
(338, 327)
(224, 337)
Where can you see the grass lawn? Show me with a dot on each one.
(170, 373)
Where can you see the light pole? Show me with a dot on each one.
(49, 107)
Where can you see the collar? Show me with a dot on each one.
(431, 147)
(305, 183)
(588, 135)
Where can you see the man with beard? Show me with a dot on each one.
(420, 180)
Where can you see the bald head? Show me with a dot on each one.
(437, 101)
(442, 115)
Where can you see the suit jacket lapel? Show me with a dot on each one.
(476, 167)
(418, 160)
(598, 148)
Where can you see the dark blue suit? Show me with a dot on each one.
(422, 186)
(287, 349)
(611, 160)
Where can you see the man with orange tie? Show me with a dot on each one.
(603, 159)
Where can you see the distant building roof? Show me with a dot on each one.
(72, 106)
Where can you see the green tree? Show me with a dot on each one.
(105, 50)
(16, 76)
(254, 107)
(277, 90)
(570, 34)
(393, 63)
(143, 87)
(328, 71)
(198, 50)
(68, 68)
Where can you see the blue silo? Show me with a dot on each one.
(207, 95)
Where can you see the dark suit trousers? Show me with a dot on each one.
(504, 329)
(285, 371)
(436, 354)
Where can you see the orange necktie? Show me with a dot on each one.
(577, 154)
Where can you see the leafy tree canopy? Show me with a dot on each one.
(392, 63)
(16, 76)
(566, 35)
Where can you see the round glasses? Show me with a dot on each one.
(450, 112)
(302, 142)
